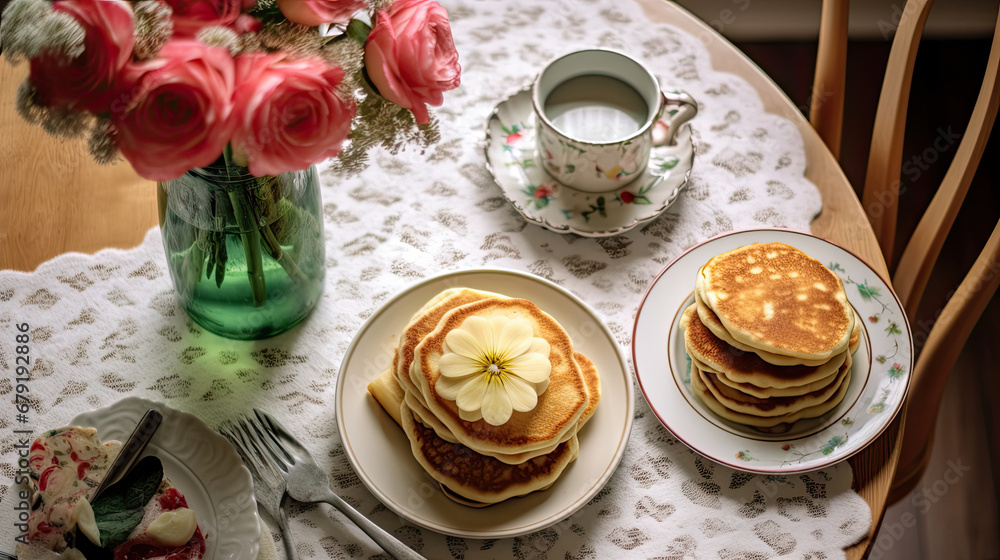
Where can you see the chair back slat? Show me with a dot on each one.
(937, 358)
(885, 158)
(923, 248)
(954, 323)
(826, 107)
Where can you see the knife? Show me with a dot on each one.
(131, 450)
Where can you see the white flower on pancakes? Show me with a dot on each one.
(492, 367)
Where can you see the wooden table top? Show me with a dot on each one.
(54, 197)
(57, 200)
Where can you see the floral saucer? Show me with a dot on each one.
(512, 159)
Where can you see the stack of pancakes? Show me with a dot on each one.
(770, 336)
(477, 463)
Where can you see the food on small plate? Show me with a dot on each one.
(140, 517)
(491, 394)
(770, 336)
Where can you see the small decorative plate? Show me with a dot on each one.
(879, 376)
(200, 463)
(512, 160)
(379, 451)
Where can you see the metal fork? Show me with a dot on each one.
(269, 486)
(307, 482)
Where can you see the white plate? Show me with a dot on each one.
(511, 159)
(879, 376)
(380, 452)
(201, 464)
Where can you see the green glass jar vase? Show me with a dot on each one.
(246, 254)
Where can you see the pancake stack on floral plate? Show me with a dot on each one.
(770, 337)
(490, 393)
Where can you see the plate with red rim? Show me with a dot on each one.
(879, 375)
(379, 451)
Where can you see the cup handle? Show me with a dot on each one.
(665, 128)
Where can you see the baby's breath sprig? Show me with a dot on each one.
(30, 27)
(57, 121)
(378, 5)
(27, 105)
(153, 28)
(101, 144)
(66, 122)
(348, 55)
(250, 42)
(224, 37)
(381, 123)
(63, 34)
(292, 38)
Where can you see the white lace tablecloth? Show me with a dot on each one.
(107, 326)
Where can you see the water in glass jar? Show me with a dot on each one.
(209, 264)
(596, 108)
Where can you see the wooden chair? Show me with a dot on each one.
(956, 320)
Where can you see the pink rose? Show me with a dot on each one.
(190, 16)
(315, 12)
(91, 80)
(411, 57)
(287, 112)
(179, 116)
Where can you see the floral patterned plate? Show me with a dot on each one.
(379, 451)
(512, 160)
(879, 376)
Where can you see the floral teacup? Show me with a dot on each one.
(596, 111)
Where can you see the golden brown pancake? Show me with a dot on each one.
(747, 367)
(559, 408)
(699, 388)
(422, 415)
(712, 322)
(855, 341)
(738, 401)
(767, 392)
(478, 477)
(592, 378)
(391, 396)
(386, 390)
(776, 298)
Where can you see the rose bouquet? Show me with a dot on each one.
(169, 84)
(255, 90)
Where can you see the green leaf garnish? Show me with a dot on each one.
(119, 509)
